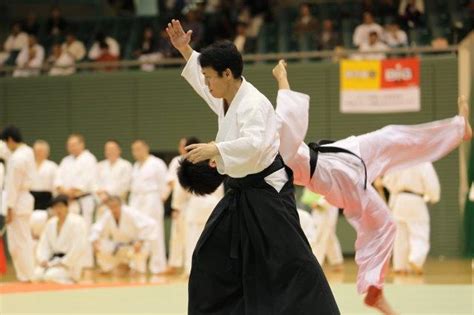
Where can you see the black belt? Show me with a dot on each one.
(317, 147)
(413, 193)
(57, 255)
(42, 199)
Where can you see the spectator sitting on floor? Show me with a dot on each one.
(375, 45)
(361, 33)
(30, 59)
(395, 37)
(328, 38)
(148, 50)
(411, 13)
(15, 42)
(96, 51)
(305, 27)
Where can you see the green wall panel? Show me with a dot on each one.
(160, 108)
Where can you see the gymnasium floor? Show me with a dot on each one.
(445, 288)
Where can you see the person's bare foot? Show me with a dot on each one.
(375, 298)
(418, 271)
(280, 74)
(464, 112)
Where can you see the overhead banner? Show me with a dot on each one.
(380, 86)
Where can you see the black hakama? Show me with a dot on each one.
(253, 257)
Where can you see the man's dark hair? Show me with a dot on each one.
(221, 56)
(13, 133)
(60, 199)
(200, 178)
(192, 140)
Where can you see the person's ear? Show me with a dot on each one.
(228, 73)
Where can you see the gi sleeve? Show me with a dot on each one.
(43, 250)
(78, 245)
(292, 121)
(192, 72)
(13, 181)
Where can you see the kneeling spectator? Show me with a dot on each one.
(121, 237)
(62, 245)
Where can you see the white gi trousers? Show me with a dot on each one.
(150, 204)
(56, 274)
(20, 246)
(388, 149)
(86, 207)
(326, 243)
(108, 259)
(177, 240)
(412, 241)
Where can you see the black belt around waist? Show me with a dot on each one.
(57, 255)
(42, 199)
(319, 147)
(412, 193)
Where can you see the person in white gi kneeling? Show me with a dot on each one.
(62, 245)
(122, 236)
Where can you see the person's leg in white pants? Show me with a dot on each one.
(419, 240)
(401, 248)
(177, 241)
(20, 246)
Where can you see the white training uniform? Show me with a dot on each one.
(410, 190)
(70, 243)
(43, 181)
(80, 173)
(116, 239)
(115, 179)
(340, 177)
(26, 66)
(4, 154)
(308, 226)
(19, 177)
(325, 243)
(147, 190)
(179, 200)
(197, 212)
(247, 137)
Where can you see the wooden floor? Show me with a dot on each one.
(446, 271)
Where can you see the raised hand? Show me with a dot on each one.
(280, 74)
(179, 39)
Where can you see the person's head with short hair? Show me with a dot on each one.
(56, 12)
(76, 144)
(12, 136)
(222, 67)
(41, 149)
(70, 36)
(140, 150)
(305, 9)
(368, 18)
(201, 178)
(373, 38)
(148, 32)
(16, 28)
(327, 25)
(114, 203)
(60, 206)
(112, 150)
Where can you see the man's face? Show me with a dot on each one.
(373, 39)
(112, 151)
(31, 41)
(10, 144)
(60, 210)
(368, 18)
(16, 29)
(75, 146)
(217, 84)
(139, 151)
(41, 151)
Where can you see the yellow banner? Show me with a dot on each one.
(360, 75)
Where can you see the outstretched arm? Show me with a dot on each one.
(292, 122)
(192, 72)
